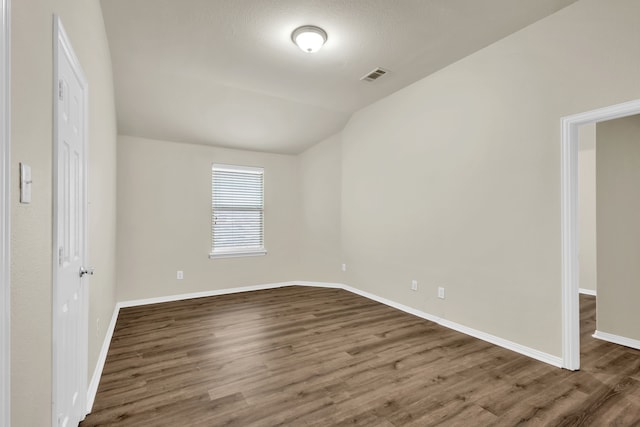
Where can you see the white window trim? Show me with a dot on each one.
(237, 168)
(236, 252)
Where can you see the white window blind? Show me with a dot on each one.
(237, 211)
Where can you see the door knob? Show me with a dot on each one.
(84, 271)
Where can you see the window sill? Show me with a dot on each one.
(237, 254)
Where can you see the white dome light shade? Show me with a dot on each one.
(309, 38)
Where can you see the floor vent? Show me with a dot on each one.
(374, 75)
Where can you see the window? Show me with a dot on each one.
(237, 211)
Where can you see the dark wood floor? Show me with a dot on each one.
(302, 356)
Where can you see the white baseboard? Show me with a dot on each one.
(501, 342)
(318, 284)
(393, 304)
(102, 358)
(587, 292)
(180, 297)
(617, 339)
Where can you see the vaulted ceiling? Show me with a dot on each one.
(225, 72)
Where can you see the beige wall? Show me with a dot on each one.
(164, 220)
(455, 180)
(618, 204)
(320, 178)
(31, 295)
(587, 206)
(167, 186)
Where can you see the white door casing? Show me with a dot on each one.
(70, 296)
(569, 221)
(5, 200)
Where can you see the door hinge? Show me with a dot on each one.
(60, 255)
(60, 90)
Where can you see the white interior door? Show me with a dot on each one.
(70, 210)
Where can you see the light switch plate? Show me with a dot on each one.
(25, 183)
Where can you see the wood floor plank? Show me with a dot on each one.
(301, 356)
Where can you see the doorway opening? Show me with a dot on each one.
(587, 250)
(570, 225)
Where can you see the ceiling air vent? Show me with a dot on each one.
(374, 75)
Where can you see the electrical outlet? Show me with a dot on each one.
(440, 292)
(414, 285)
(180, 275)
(344, 267)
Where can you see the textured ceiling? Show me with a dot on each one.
(225, 72)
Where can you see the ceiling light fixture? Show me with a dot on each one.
(309, 38)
